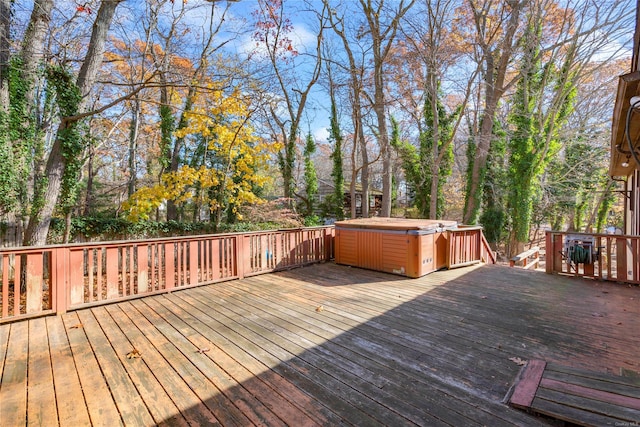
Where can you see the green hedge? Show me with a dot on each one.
(105, 229)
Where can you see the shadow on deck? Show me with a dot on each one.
(320, 345)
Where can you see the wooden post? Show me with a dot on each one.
(76, 276)
(549, 256)
(59, 279)
(556, 252)
(5, 285)
(143, 268)
(34, 282)
(193, 262)
(240, 258)
(169, 266)
(112, 272)
(621, 258)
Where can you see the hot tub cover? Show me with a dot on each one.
(398, 224)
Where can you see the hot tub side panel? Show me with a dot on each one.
(412, 255)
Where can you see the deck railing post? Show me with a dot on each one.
(240, 260)
(548, 251)
(59, 279)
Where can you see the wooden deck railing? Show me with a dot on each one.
(54, 279)
(528, 259)
(467, 245)
(610, 257)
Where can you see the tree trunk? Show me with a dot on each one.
(494, 79)
(133, 145)
(88, 200)
(364, 176)
(475, 183)
(38, 228)
(435, 184)
(5, 45)
(33, 44)
(435, 144)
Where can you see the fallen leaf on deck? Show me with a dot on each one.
(319, 308)
(79, 325)
(202, 350)
(483, 297)
(518, 361)
(134, 354)
(597, 315)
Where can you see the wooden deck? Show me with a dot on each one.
(577, 396)
(320, 345)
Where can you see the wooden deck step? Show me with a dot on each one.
(578, 396)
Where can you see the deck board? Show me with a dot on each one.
(177, 373)
(41, 402)
(13, 393)
(72, 408)
(276, 333)
(148, 382)
(98, 399)
(208, 363)
(573, 395)
(327, 345)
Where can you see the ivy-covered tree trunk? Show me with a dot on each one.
(428, 166)
(20, 140)
(5, 46)
(543, 99)
(335, 134)
(310, 177)
(287, 159)
(496, 60)
(50, 186)
(7, 182)
(134, 128)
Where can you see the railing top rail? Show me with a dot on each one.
(461, 227)
(607, 235)
(526, 254)
(35, 249)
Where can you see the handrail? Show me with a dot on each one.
(491, 255)
(611, 257)
(524, 258)
(54, 279)
(467, 245)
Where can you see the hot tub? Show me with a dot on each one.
(408, 247)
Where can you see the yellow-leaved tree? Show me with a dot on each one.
(224, 161)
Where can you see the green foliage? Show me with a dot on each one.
(67, 97)
(167, 126)
(494, 190)
(471, 156)
(334, 205)
(286, 161)
(428, 162)
(8, 179)
(312, 220)
(493, 221)
(108, 228)
(19, 137)
(603, 211)
(310, 177)
(534, 139)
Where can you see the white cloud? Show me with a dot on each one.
(321, 135)
(302, 40)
